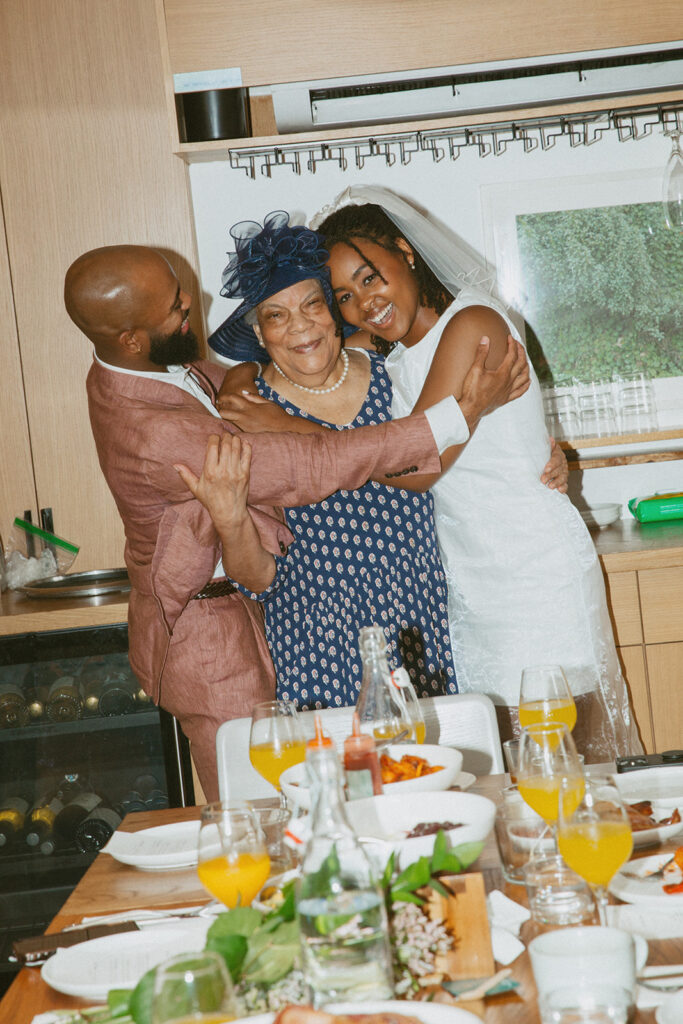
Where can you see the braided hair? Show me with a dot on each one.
(370, 222)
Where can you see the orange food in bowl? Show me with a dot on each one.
(409, 767)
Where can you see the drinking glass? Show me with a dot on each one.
(193, 987)
(594, 834)
(233, 862)
(544, 696)
(276, 741)
(547, 755)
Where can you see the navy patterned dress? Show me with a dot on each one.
(360, 558)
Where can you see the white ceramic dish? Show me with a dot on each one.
(388, 819)
(644, 889)
(663, 787)
(294, 783)
(164, 848)
(427, 1013)
(90, 969)
(671, 1010)
(601, 514)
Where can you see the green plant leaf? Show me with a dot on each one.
(233, 949)
(239, 921)
(118, 1001)
(142, 996)
(388, 870)
(414, 877)
(467, 853)
(439, 852)
(271, 954)
(403, 896)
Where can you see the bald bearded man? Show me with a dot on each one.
(196, 644)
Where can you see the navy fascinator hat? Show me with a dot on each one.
(266, 260)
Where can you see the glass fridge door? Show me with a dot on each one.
(81, 745)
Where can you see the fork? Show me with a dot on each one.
(651, 874)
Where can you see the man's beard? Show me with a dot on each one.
(173, 349)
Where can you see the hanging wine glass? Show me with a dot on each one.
(672, 187)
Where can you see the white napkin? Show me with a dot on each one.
(505, 918)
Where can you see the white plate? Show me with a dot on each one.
(671, 1010)
(464, 780)
(91, 968)
(428, 1013)
(663, 787)
(164, 848)
(645, 890)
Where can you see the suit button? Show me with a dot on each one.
(283, 548)
(413, 469)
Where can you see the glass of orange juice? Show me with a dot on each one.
(594, 835)
(193, 988)
(547, 756)
(276, 740)
(233, 862)
(544, 696)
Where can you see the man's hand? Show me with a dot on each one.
(556, 472)
(253, 413)
(224, 484)
(485, 390)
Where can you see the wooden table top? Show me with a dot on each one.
(109, 886)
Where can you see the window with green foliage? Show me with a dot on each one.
(603, 292)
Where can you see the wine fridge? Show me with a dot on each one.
(81, 745)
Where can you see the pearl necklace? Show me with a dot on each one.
(318, 391)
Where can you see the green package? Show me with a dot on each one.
(657, 507)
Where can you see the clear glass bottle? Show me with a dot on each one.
(379, 707)
(342, 916)
(410, 704)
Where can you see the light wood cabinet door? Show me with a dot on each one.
(665, 675)
(661, 601)
(85, 161)
(633, 666)
(624, 607)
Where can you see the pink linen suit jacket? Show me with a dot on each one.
(207, 661)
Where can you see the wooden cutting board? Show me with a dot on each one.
(465, 916)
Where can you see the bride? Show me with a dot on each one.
(525, 584)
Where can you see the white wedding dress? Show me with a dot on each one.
(525, 584)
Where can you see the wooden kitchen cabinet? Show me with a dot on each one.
(665, 673)
(644, 582)
(85, 161)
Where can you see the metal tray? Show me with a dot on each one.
(80, 584)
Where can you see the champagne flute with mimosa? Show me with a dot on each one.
(233, 862)
(594, 836)
(544, 696)
(276, 741)
(193, 988)
(547, 755)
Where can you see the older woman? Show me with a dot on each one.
(361, 557)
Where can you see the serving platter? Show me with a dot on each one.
(426, 1013)
(79, 584)
(644, 889)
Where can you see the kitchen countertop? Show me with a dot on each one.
(625, 545)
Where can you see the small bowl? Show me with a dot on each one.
(388, 819)
(294, 783)
(601, 514)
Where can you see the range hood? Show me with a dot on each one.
(473, 88)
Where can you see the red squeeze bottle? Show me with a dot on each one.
(361, 764)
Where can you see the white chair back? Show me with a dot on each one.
(466, 721)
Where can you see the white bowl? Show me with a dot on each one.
(389, 819)
(294, 783)
(601, 514)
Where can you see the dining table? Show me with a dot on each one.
(110, 887)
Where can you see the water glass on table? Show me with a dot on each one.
(193, 988)
(520, 834)
(586, 974)
(557, 895)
